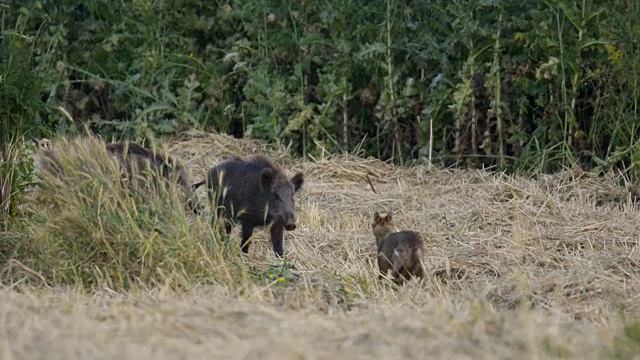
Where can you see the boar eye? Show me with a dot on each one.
(277, 196)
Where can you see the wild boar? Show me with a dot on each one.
(138, 159)
(256, 193)
(139, 163)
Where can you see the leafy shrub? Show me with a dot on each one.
(20, 107)
(524, 86)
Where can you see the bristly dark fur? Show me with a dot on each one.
(257, 193)
(137, 158)
(133, 157)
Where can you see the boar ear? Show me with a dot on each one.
(389, 218)
(266, 179)
(376, 217)
(297, 180)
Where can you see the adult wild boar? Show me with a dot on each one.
(142, 166)
(137, 159)
(256, 193)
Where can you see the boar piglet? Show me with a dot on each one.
(399, 251)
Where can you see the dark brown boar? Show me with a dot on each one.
(401, 251)
(256, 193)
(137, 160)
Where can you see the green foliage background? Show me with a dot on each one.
(526, 86)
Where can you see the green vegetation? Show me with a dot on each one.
(20, 105)
(524, 86)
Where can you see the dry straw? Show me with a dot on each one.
(534, 268)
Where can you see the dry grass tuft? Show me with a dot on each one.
(517, 267)
(87, 227)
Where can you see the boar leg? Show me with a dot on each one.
(418, 271)
(277, 239)
(222, 216)
(247, 231)
(401, 275)
(383, 265)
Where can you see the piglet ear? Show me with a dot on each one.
(389, 218)
(266, 179)
(297, 180)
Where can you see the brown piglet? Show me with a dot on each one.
(400, 251)
(45, 159)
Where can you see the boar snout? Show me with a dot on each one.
(290, 222)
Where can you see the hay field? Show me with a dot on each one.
(517, 268)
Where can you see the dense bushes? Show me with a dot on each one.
(20, 106)
(527, 86)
